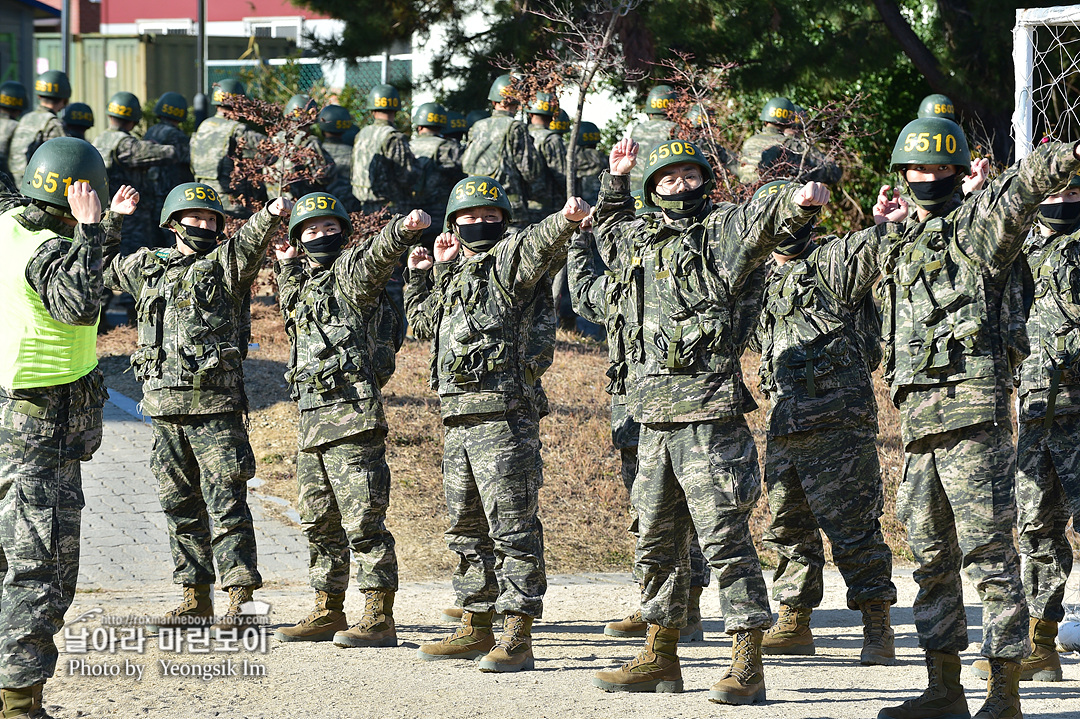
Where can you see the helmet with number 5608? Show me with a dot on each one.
(314, 205)
(192, 196)
(476, 191)
(58, 164)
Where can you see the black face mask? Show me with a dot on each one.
(1060, 216)
(325, 249)
(197, 238)
(682, 204)
(934, 193)
(480, 236)
(797, 242)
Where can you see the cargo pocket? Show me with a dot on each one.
(735, 472)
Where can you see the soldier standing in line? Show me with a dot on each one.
(488, 278)
(171, 110)
(590, 162)
(53, 90)
(51, 395)
(383, 166)
(656, 129)
(190, 299)
(821, 463)
(500, 146)
(335, 121)
(456, 126)
(772, 151)
(438, 164)
(697, 462)
(1047, 455)
(329, 299)
(548, 191)
(77, 118)
(217, 141)
(12, 104)
(945, 301)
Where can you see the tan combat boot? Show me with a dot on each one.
(195, 610)
(944, 695)
(472, 640)
(23, 702)
(513, 651)
(878, 647)
(1043, 664)
(791, 634)
(631, 626)
(452, 615)
(744, 682)
(376, 626)
(327, 619)
(234, 616)
(693, 631)
(654, 669)
(1002, 692)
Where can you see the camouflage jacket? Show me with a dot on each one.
(126, 157)
(500, 146)
(590, 163)
(383, 167)
(814, 366)
(648, 135)
(339, 184)
(682, 298)
(162, 178)
(34, 129)
(328, 314)
(547, 193)
(488, 350)
(438, 168)
(319, 164)
(1053, 327)
(772, 155)
(7, 129)
(946, 303)
(189, 313)
(214, 145)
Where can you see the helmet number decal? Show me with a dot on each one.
(50, 182)
(123, 110)
(471, 189)
(669, 149)
(322, 202)
(200, 193)
(921, 142)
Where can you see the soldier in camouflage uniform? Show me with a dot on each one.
(12, 104)
(329, 300)
(311, 159)
(438, 164)
(1047, 457)
(189, 302)
(487, 385)
(456, 126)
(590, 162)
(170, 110)
(500, 146)
(947, 316)
(656, 129)
(772, 153)
(77, 118)
(821, 465)
(335, 121)
(383, 166)
(548, 191)
(217, 141)
(53, 90)
(685, 268)
(51, 395)
(937, 105)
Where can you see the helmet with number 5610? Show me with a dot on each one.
(58, 164)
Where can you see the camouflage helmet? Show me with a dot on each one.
(224, 89)
(192, 196)
(299, 104)
(779, 111)
(58, 164)
(335, 119)
(53, 83)
(475, 115)
(12, 96)
(931, 141)
(171, 106)
(589, 134)
(658, 100)
(937, 105)
(78, 114)
(560, 123)
(543, 104)
(430, 114)
(674, 152)
(124, 106)
(476, 191)
(313, 206)
(384, 98)
(456, 123)
(500, 89)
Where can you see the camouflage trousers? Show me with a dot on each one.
(344, 494)
(624, 435)
(703, 475)
(492, 472)
(828, 480)
(44, 434)
(202, 463)
(1047, 494)
(956, 500)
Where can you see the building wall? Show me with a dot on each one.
(128, 11)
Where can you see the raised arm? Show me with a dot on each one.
(140, 153)
(243, 253)
(363, 271)
(522, 260)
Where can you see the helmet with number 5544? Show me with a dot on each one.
(192, 196)
(58, 164)
(476, 191)
(315, 205)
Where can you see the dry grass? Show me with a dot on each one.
(583, 502)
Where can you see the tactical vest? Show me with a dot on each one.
(340, 183)
(620, 317)
(37, 350)
(7, 129)
(210, 146)
(188, 327)
(28, 137)
(432, 185)
(367, 150)
(488, 154)
(107, 143)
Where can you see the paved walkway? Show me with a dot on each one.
(125, 543)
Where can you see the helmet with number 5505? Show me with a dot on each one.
(673, 152)
(58, 164)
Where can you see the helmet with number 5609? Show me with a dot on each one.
(192, 196)
(674, 152)
(931, 141)
(476, 191)
(58, 164)
(315, 205)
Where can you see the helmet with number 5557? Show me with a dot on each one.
(58, 164)
(192, 196)
(476, 191)
(315, 205)
(674, 152)
(931, 141)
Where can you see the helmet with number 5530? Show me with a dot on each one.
(315, 205)
(192, 196)
(58, 164)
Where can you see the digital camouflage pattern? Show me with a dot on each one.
(648, 135)
(34, 129)
(438, 169)
(500, 146)
(771, 155)
(215, 144)
(339, 184)
(7, 129)
(590, 163)
(951, 377)
(320, 169)
(160, 179)
(383, 168)
(547, 193)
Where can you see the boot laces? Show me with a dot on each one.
(998, 690)
(237, 598)
(742, 653)
(513, 634)
(874, 624)
(372, 615)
